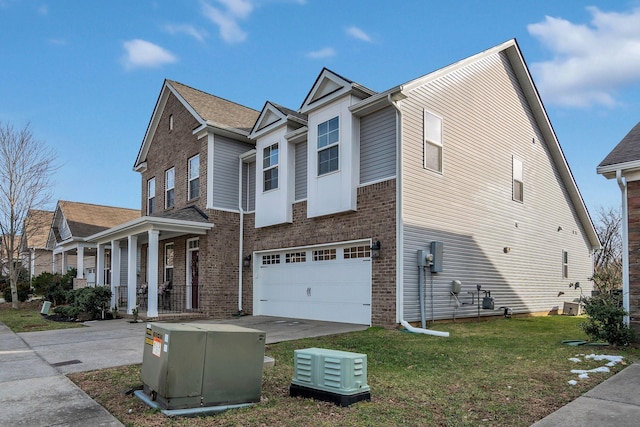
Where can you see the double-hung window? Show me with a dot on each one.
(328, 146)
(565, 264)
(194, 177)
(432, 142)
(518, 180)
(270, 167)
(169, 181)
(151, 195)
(168, 262)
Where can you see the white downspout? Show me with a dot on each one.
(423, 331)
(240, 236)
(399, 222)
(625, 245)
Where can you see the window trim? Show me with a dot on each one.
(151, 195)
(565, 264)
(329, 146)
(430, 140)
(271, 167)
(167, 189)
(170, 122)
(191, 179)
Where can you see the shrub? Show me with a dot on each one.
(86, 300)
(23, 291)
(605, 321)
(54, 287)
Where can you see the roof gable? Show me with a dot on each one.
(329, 86)
(207, 109)
(36, 228)
(85, 219)
(273, 116)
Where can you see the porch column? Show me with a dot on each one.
(132, 278)
(115, 271)
(80, 263)
(100, 265)
(64, 262)
(152, 273)
(54, 267)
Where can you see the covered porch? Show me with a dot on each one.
(141, 254)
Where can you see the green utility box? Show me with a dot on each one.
(330, 375)
(188, 365)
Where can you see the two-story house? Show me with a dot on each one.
(360, 206)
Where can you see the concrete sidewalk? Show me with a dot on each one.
(614, 402)
(34, 391)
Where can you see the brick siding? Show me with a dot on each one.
(633, 199)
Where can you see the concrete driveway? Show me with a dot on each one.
(105, 344)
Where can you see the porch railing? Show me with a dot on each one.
(173, 299)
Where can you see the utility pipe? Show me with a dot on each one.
(625, 245)
(421, 286)
(410, 328)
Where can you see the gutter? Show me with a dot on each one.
(625, 244)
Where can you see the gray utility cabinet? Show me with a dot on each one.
(188, 365)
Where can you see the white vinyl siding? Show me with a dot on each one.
(378, 146)
(470, 208)
(301, 171)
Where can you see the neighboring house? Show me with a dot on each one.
(322, 212)
(69, 228)
(623, 164)
(36, 257)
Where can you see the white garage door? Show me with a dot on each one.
(331, 283)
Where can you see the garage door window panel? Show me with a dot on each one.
(324, 255)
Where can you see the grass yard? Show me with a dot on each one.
(27, 318)
(502, 372)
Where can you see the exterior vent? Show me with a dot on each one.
(330, 375)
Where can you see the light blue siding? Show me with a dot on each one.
(378, 145)
(225, 171)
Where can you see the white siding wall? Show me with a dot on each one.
(225, 172)
(469, 206)
(378, 146)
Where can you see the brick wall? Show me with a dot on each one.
(633, 199)
(375, 219)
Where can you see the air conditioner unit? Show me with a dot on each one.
(330, 375)
(190, 365)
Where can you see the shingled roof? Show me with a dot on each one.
(627, 150)
(217, 110)
(85, 219)
(37, 226)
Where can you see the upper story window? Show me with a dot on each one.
(169, 181)
(432, 142)
(194, 177)
(518, 180)
(328, 146)
(270, 167)
(151, 195)
(565, 264)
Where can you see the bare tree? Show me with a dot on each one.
(26, 168)
(608, 260)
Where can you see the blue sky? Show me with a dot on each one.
(86, 75)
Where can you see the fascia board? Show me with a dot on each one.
(146, 223)
(609, 171)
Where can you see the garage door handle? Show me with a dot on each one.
(308, 292)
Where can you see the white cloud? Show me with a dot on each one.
(227, 20)
(141, 53)
(43, 9)
(358, 33)
(189, 30)
(326, 52)
(591, 62)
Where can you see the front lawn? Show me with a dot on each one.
(502, 372)
(27, 318)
